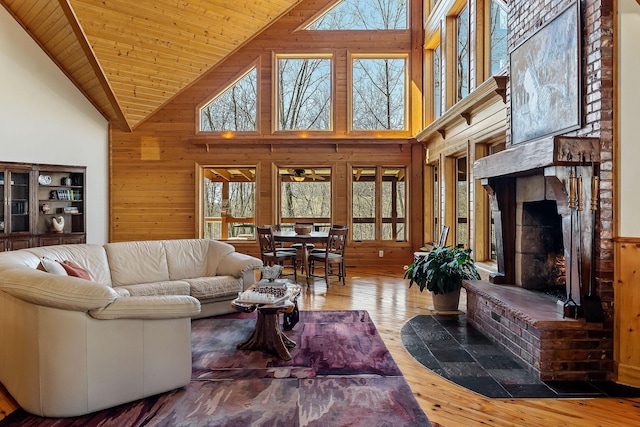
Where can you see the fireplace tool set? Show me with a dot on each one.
(591, 304)
(575, 205)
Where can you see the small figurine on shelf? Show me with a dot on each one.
(46, 208)
(58, 224)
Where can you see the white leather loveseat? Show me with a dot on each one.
(70, 346)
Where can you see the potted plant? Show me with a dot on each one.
(442, 271)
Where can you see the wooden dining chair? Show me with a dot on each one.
(340, 226)
(271, 254)
(298, 247)
(332, 259)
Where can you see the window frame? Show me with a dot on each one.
(200, 193)
(379, 56)
(434, 41)
(466, 238)
(239, 76)
(275, 97)
(489, 16)
(278, 180)
(335, 4)
(378, 219)
(456, 44)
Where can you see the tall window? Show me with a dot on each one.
(462, 203)
(363, 204)
(437, 82)
(229, 199)
(498, 35)
(304, 93)
(436, 204)
(462, 54)
(235, 109)
(378, 203)
(393, 204)
(305, 196)
(379, 93)
(364, 15)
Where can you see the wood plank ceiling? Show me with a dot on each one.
(130, 57)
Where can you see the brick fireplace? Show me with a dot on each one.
(527, 307)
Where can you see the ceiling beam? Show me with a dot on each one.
(120, 120)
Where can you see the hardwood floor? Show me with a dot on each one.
(385, 295)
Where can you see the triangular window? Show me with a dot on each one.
(235, 109)
(363, 15)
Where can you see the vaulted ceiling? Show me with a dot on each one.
(130, 57)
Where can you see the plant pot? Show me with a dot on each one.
(446, 302)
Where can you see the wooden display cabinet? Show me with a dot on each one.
(32, 196)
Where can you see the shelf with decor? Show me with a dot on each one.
(42, 205)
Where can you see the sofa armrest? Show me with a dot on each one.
(50, 290)
(236, 264)
(149, 307)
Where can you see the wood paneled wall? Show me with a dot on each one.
(627, 311)
(153, 169)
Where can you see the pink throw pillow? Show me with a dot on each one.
(74, 269)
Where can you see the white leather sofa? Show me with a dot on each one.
(70, 346)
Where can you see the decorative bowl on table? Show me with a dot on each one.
(303, 230)
(271, 273)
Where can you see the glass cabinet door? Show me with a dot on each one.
(18, 201)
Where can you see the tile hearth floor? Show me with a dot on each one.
(450, 347)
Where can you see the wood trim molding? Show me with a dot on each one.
(493, 87)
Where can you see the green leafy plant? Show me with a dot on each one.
(442, 270)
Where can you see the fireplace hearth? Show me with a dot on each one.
(543, 226)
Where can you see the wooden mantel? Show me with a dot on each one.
(553, 151)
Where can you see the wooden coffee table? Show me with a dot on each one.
(267, 335)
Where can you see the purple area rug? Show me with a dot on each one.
(341, 374)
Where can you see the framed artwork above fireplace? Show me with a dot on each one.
(545, 79)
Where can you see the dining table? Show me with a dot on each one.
(304, 240)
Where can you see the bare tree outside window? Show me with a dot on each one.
(462, 65)
(437, 83)
(309, 199)
(379, 100)
(391, 204)
(364, 15)
(229, 202)
(462, 203)
(498, 35)
(235, 109)
(304, 94)
(363, 204)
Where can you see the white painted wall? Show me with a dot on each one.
(629, 118)
(44, 118)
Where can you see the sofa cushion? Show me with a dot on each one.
(65, 292)
(173, 287)
(137, 262)
(189, 258)
(122, 292)
(205, 288)
(89, 256)
(149, 307)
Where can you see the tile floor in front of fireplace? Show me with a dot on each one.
(447, 345)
